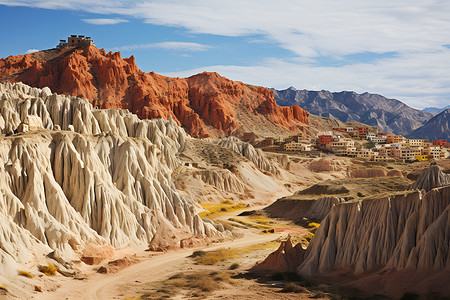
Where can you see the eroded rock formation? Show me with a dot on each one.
(205, 104)
(431, 178)
(248, 151)
(403, 232)
(284, 259)
(91, 176)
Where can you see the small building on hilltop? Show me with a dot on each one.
(75, 41)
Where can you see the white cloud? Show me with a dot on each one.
(31, 51)
(415, 30)
(181, 46)
(416, 79)
(104, 21)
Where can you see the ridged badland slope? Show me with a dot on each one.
(399, 243)
(205, 104)
(390, 115)
(87, 176)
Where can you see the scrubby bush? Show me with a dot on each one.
(234, 266)
(198, 253)
(49, 270)
(291, 287)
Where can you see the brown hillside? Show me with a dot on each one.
(205, 104)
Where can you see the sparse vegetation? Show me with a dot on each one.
(214, 210)
(198, 253)
(313, 225)
(213, 257)
(234, 266)
(291, 287)
(49, 270)
(249, 224)
(25, 274)
(193, 285)
(216, 256)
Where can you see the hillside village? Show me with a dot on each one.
(360, 142)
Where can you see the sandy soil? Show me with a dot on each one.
(152, 268)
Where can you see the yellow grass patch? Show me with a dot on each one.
(25, 274)
(313, 225)
(49, 270)
(214, 210)
(250, 224)
(216, 256)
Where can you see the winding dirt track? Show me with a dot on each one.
(100, 286)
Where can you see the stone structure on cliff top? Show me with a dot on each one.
(205, 104)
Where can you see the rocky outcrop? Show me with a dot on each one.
(223, 180)
(390, 115)
(404, 232)
(431, 178)
(299, 209)
(327, 165)
(283, 260)
(205, 104)
(256, 156)
(91, 176)
(368, 173)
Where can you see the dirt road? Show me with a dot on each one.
(111, 286)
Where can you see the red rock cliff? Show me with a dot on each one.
(205, 104)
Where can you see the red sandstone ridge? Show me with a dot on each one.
(205, 104)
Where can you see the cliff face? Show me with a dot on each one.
(404, 232)
(205, 104)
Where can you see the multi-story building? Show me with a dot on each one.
(442, 143)
(293, 146)
(408, 153)
(362, 131)
(323, 140)
(415, 142)
(394, 139)
(377, 140)
(75, 41)
(340, 146)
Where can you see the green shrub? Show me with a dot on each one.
(234, 266)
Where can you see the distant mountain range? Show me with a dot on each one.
(436, 128)
(435, 110)
(390, 115)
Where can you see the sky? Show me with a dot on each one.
(399, 49)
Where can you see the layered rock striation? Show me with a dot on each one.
(431, 178)
(403, 232)
(205, 104)
(88, 176)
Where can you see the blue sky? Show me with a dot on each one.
(399, 49)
